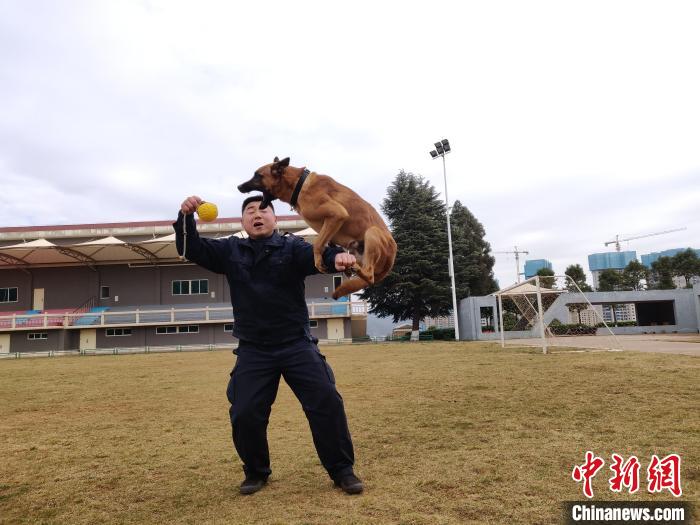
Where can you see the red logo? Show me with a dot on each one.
(587, 471)
(626, 474)
(665, 474)
(662, 474)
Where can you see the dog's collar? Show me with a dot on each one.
(297, 188)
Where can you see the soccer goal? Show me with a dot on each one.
(550, 311)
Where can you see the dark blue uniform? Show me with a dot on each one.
(271, 321)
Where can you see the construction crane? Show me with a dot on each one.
(517, 253)
(617, 240)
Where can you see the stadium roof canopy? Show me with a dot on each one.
(151, 242)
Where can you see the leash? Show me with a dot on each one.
(297, 188)
(184, 239)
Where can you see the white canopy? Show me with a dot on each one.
(525, 289)
(31, 245)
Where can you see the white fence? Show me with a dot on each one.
(171, 315)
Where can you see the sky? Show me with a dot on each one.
(570, 122)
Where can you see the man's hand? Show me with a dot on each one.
(190, 204)
(344, 260)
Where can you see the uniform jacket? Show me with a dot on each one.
(267, 293)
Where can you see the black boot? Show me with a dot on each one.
(350, 483)
(252, 484)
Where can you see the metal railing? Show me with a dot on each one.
(171, 315)
(179, 348)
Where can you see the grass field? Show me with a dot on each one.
(443, 433)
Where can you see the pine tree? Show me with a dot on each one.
(473, 261)
(419, 284)
(633, 275)
(687, 265)
(609, 280)
(575, 271)
(662, 274)
(547, 279)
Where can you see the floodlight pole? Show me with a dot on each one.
(441, 149)
(449, 244)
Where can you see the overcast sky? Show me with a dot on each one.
(569, 122)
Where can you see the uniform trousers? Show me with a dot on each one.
(252, 390)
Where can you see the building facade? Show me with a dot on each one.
(124, 285)
(535, 265)
(597, 262)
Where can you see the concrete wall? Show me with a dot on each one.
(20, 343)
(684, 305)
(686, 310)
(23, 282)
(470, 316)
(141, 336)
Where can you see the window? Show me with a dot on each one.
(187, 329)
(8, 295)
(194, 287)
(104, 292)
(117, 332)
(228, 327)
(313, 323)
(33, 336)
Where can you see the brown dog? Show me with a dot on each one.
(337, 213)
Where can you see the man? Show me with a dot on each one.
(266, 275)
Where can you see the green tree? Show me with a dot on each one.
(609, 280)
(575, 271)
(687, 265)
(419, 284)
(662, 273)
(633, 275)
(545, 280)
(473, 261)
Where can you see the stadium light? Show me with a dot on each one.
(442, 148)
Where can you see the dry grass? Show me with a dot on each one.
(443, 432)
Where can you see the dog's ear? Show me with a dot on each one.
(278, 166)
(276, 160)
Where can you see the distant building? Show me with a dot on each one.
(444, 321)
(619, 312)
(533, 266)
(649, 258)
(597, 262)
(589, 316)
(402, 330)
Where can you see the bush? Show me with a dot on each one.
(619, 323)
(440, 334)
(571, 329)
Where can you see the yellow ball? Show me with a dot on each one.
(207, 211)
